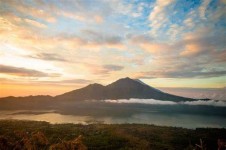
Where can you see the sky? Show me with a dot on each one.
(54, 46)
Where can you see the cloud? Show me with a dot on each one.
(203, 7)
(179, 73)
(174, 60)
(155, 48)
(159, 8)
(94, 38)
(206, 103)
(103, 69)
(98, 19)
(147, 43)
(49, 56)
(17, 32)
(5, 80)
(158, 16)
(220, 56)
(77, 81)
(35, 23)
(198, 93)
(72, 15)
(25, 72)
(113, 67)
(82, 17)
(35, 80)
(202, 44)
(160, 39)
(141, 101)
(24, 10)
(88, 40)
(191, 50)
(223, 1)
(65, 82)
(189, 22)
(161, 102)
(27, 38)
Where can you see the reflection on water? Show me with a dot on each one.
(179, 120)
(43, 116)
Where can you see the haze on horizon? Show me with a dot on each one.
(51, 46)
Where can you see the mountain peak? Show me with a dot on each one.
(124, 88)
(124, 82)
(95, 85)
(131, 83)
(126, 78)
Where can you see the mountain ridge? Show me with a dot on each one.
(124, 88)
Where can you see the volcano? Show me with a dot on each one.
(124, 88)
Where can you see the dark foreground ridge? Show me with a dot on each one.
(42, 135)
(124, 88)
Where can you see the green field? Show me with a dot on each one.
(42, 135)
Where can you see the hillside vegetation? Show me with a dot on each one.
(42, 135)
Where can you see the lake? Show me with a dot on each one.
(186, 117)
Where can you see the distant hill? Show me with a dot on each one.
(124, 88)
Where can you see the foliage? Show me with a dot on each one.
(42, 135)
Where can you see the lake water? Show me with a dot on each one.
(150, 117)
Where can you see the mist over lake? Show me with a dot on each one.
(179, 115)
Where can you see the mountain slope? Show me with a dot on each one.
(124, 88)
(91, 92)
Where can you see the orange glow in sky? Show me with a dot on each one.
(50, 47)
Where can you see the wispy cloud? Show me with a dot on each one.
(24, 72)
(26, 9)
(35, 23)
(182, 74)
(203, 7)
(49, 57)
(113, 67)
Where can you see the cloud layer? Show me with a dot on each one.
(159, 102)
